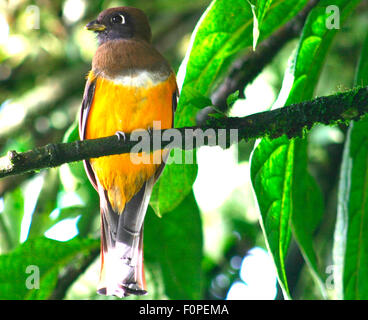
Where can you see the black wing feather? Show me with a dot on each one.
(88, 95)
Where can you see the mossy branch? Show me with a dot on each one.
(291, 120)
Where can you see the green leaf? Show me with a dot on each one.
(224, 30)
(262, 7)
(351, 232)
(276, 168)
(75, 170)
(271, 172)
(307, 210)
(72, 134)
(174, 243)
(72, 174)
(255, 26)
(231, 99)
(362, 72)
(12, 216)
(259, 9)
(198, 99)
(175, 182)
(19, 269)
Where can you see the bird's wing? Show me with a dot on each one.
(88, 95)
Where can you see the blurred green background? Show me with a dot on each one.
(45, 55)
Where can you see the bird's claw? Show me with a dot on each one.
(121, 135)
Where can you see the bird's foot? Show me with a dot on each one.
(121, 136)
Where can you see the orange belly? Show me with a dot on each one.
(118, 107)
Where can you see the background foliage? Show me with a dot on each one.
(204, 224)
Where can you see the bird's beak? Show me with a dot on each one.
(95, 26)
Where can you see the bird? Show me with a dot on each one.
(130, 86)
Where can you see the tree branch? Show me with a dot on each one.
(292, 120)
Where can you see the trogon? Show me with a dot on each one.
(130, 86)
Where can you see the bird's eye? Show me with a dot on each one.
(118, 19)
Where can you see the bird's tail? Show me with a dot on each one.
(122, 271)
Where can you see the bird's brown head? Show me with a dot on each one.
(121, 23)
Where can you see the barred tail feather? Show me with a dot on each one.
(122, 271)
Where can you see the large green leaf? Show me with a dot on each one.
(280, 177)
(31, 270)
(174, 184)
(270, 174)
(307, 202)
(224, 30)
(174, 244)
(351, 233)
